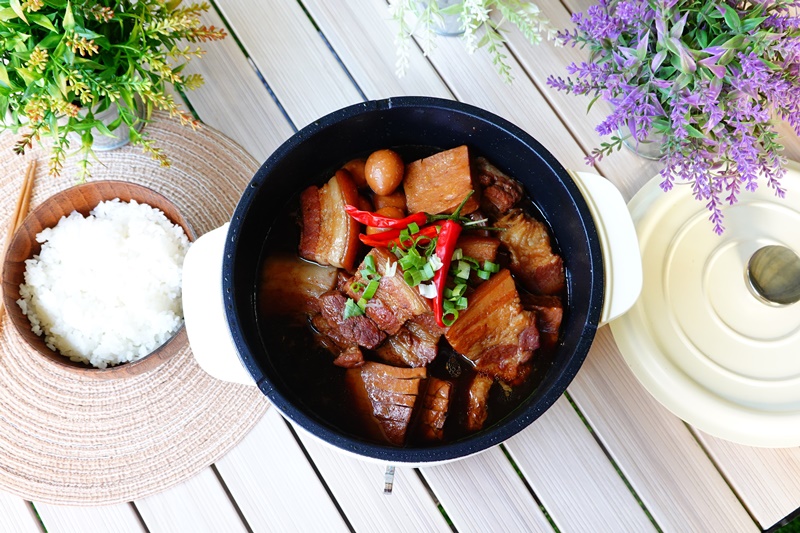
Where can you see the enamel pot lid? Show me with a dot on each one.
(716, 345)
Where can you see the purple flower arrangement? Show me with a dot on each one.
(709, 76)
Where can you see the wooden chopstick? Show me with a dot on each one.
(19, 214)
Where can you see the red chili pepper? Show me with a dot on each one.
(445, 246)
(375, 220)
(390, 237)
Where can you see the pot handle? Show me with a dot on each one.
(204, 309)
(622, 258)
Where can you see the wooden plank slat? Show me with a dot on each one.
(605, 506)
(654, 449)
(474, 80)
(360, 34)
(16, 515)
(108, 519)
(272, 482)
(199, 504)
(234, 100)
(624, 168)
(767, 480)
(291, 56)
(478, 502)
(358, 488)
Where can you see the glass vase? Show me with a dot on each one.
(648, 148)
(451, 24)
(122, 133)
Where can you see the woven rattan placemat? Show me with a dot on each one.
(65, 439)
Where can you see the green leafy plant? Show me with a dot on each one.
(423, 18)
(707, 77)
(64, 62)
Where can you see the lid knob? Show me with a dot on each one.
(774, 274)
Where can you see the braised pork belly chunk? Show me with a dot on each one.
(482, 248)
(478, 401)
(415, 345)
(295, 283)
(500, 192)
(438, 184)
(549, 314)
(357, 329)
(328, 236)
(435, 407)
(532, 259)
(495, 332)
(384, 397)
(395, 301)
(423, 303)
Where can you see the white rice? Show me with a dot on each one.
(106, 289)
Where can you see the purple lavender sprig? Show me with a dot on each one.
(707, 76)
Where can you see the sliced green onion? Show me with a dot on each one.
(369, 292)
(472, 261)
(362, 304)
(435, 262)
(461, 304)
(491, 267)
(447, 320)
(457, 254)
(427, 271)
(413, 228)
(483, 274)
(351, 309)
(463, 270)
(356, 286)
(369, 263)
(404, 237)
(458, 290)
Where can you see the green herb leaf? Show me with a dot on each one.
(732, 18)
(369, 292)
(351, 309)
(15, 5)
(68, 23)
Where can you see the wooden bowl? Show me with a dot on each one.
(82, 198)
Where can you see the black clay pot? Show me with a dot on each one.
(315, 152)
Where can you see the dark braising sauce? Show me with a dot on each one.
(313, 383)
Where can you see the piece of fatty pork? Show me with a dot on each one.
(500, 192)
(384, 397)
(348, 354)
(328, 235)
(549, 314)
(495, 332)
(292, 286)
(395, 301)
(477, 401)
(414, 345)
(532, 259)
(359, 330)
(439, 183)
(435, 406)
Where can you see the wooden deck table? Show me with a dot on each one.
(605, 457)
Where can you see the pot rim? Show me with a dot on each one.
(519, 418)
